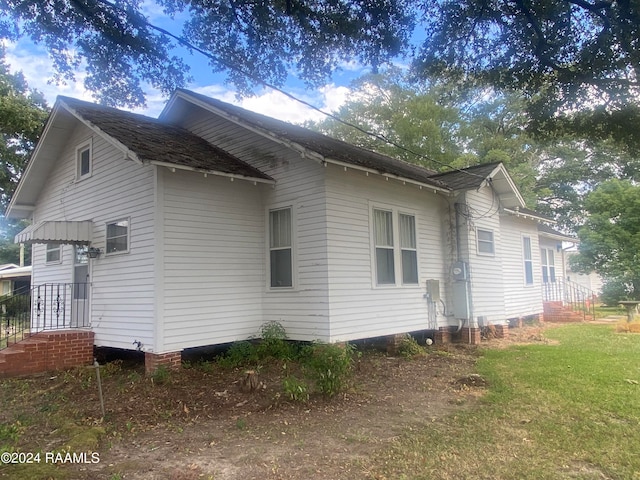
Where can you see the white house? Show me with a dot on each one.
(212, 220)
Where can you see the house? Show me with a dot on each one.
(14, 279)
(198, 227)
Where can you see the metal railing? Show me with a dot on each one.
(51, 306)
(576, 297)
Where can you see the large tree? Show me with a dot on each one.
(577, 61)
(610, 237)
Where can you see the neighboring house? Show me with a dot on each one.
(591, 281)
(14, 279)
(198, 227)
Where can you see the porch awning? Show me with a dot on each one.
(57, 232)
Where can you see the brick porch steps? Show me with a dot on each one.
(557, 312)
(47, 351)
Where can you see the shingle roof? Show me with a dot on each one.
(328, 147)
(152, 140)
(467, 178)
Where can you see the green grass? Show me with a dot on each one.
(565, 410)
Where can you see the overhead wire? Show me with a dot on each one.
(140, 18)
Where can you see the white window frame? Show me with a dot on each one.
(548, 262)
(397, 246)
(491, 242)
(404, 248)
(292, 247)
(528, 260)
(84, 146)
(52, 247)
(128, 236)
(384, 246)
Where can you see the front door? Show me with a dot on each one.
(80, 288)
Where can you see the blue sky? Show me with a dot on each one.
(34, 63)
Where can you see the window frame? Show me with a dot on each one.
(107, 238)
(291, 247)
(548, 263)
(398, 248)
(83, 147)
(387, 247)
(492, 242)
(52, 247)
(527, 272)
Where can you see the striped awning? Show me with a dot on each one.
(57, 232)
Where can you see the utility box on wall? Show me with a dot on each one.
(433, 290)
(460, 300)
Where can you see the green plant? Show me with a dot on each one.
(297, 389)
(329, 366)
(161, 375)
(409, 347)
(274, 342)
(238, 354)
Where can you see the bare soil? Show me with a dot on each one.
(198, 423)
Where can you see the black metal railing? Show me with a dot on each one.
(576, 297)
(51, 306)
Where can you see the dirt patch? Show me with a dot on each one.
(199, 423)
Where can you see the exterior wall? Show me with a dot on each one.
(358, 307)
(213, 260)
(303, 310)
(521, 300)
(122, 294)
(485, 270)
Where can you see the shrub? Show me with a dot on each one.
(329, 366)
(239, 354)
(297, 389)
(274, 342)
(613, 291)
(409, 347)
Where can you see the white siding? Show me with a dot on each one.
(213, 259)
(486, 270)
(520, 299)
(303, 310)
(359, 308)
(122, 302)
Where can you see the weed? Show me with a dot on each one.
(274, 342)
(409, 347)
(9, 434)
(239, 354)
(329, 366)
(241, 423)
(161, 375)
(297, 389)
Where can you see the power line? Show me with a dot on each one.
(252, 77)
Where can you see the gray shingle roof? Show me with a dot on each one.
(467, 178)
(152, 140)
(328, 147)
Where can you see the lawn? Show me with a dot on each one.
(567, 409)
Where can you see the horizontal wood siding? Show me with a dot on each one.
(302, 310)
(122, 302)
(213, 260)
(521, 300)
(359, 308)
(486, 270)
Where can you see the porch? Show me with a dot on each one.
(566, 301)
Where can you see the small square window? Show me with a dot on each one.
(54, 253)
(83, 161)
(485, 242)
(118, 237)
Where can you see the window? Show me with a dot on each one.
(528, 261)
(408, 249)
(118, 237)
(54, 253)
(548, 265)
(280, 248)
(83, 161)
(485, 242)
(383, 240)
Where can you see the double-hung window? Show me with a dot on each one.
(389, 253)
(118, 237)
(485, 242)
(281, 248)
(528, 260)
(548, 265)
(383, 237)
(408, 249)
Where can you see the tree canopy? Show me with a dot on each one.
(610, 237)
(576, 61)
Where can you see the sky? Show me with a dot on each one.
(33, 61)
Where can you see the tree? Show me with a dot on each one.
(610, 237)
(22, 115)
(577, 61)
